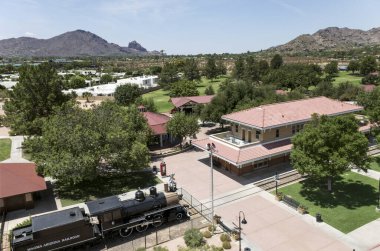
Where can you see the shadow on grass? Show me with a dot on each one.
(349, 193)
(105, 186)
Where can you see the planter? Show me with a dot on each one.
(302, 209)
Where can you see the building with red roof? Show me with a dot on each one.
(18, 184)
(260, 136)
(157, 123)
(187, 104)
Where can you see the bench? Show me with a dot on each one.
(290, 202)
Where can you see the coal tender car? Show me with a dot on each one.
(120, 214)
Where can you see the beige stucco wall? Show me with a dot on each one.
(239, 134)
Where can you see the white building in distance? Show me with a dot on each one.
(109, 89)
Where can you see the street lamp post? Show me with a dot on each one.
(212, 148)
(241, 221)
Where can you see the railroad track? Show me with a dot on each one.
(284, 178)
(266, 184)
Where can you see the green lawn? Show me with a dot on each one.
(346, 76)
(103, 187)
(351, 205)
(5, 149)
(161, 97)
(375, 164)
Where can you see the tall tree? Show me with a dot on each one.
(331, 68)
(77, 145)
(190, 70)
(367, 65)
(183, 88)
(211, 70)
(33, 99)
(168, 75)
(106, 78)
(182, 125)
(238, 72)
(327, 147)
(127, 94)
(353, 66)
(77, 82)
(276, 61)
(251, 70)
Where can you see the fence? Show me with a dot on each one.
(153, 236)
(195, 205)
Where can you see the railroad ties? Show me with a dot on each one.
(284, 178)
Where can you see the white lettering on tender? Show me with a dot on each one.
(54, 242)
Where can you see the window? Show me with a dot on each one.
(258, 134)
(236, 128)
(277, 133)
(293, 129)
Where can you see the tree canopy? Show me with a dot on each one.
(127, 94)
(183, 88)
(78, 145)
(190, 70)
(327, 147)
(331, 68)
(168, 75)
(211, 69)
(106, 78)
(367, 65)
(33, 98)
(77, 82)
(276, 61)
(182, 125)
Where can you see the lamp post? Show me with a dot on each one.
(211, 148)
(378, 198)
(241, 221)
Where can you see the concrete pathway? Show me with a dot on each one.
(16, 151)
(370, 173)
(367, 236)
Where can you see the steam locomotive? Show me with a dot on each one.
(97, 219)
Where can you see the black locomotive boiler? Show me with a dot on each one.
(97, 219)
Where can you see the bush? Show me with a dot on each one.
(193, 238)
(211, 228)
(226, 245)
(207, 234)
(141, 249)
(225, 237)
(159, 248)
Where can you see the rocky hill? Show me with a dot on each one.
(69, 44)
(332, 38)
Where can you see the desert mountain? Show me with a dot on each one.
(332, 38)
(70, 44)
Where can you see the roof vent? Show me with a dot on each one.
(72, 213)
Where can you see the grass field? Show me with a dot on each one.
(104, 187)
(375, 164)
(351, 204)
(161, 97)
(5, 149)
(346, 76)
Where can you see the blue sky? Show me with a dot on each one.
(186, 26)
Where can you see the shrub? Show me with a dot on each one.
(207, 234)
(193, 238)
(225, 237)
(211, 227)
(159, 248)
(226, 245)
(141, 249)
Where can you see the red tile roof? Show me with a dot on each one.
(274, 115)
(19, 178)
(368, 88)
(180, 101)
(157, 122)
(246, 154)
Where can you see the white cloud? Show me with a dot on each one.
(288, 6)
(152, 8)
(29, 34)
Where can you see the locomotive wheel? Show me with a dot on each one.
(157, 220)
(142, 227)
(125, 232)
(179, 216)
